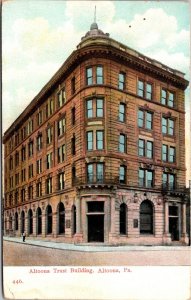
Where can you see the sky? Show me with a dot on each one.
(38, 36)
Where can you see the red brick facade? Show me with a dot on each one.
(104, 153)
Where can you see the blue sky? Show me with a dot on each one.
(39, 35)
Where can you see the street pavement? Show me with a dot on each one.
(43, 252)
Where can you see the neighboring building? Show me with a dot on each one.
(99, 154)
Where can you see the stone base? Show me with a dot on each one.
(167, 239)
(184, 239)
(78, 238)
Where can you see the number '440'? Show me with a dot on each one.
(17, 281)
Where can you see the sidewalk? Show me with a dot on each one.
(93, 248)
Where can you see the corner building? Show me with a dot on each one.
(99, 153)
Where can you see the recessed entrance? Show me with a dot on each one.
(174, 223)
(95, 221)
(95, 228)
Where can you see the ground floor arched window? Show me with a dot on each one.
(16, 221)
(74, 219)
(30, 221)
(22, 221)
(61, 218)
(49, 219)
(39, 220)
(146, 217)
(123, 218)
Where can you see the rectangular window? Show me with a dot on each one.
(172, 154)
(99, 75)
(30, 149)
(122, 143)
(122, 112)
(61, 126)
(144, 89)
(171, 99)
(39, 166)
(145, 178)
(168, 181)
(49, 135)
(23, 133)
(16, 159)
(141, 147)
(23, 153)
(39, 142)
(49, 186)
(49, 161)
(164, 97)
(89, 108)
(73, 116)
(39, 118)
(99, 108)
(17, 179)
(149, 120)
(140, 118)
(61, 154)
(148, 91)
(39, 189)
(73, 85)
(141, 88)
(164, 152)
(167, 126)
(61, 98)
(167, 98)
(31, 171)
(149, 149)
(73, 145)
(22, 195)
(49, 108)
(90, 173)
(30, 192)
(99, 140)
(89, 76)
(99, 172)
(23, 172)
(121, 81)
(89, 137)
(61, 181)
(164, 125)
(122, 174)
(30, 127)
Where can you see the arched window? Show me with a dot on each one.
(22, 221)
(30, 221)
(39, 220)
(49, 219)
(146, 217)
(122, 217)
(74, 219)
(61, 218)
(16, 221)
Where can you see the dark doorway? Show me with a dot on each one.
(173, 228)
(74, 218)
(146, 217)
(22, 221)
(61, 212)
(122, 217)
(16, 221)
(49, 219)
(30, 221)
(39, 220)
(95, 228)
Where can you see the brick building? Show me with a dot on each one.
(99, 153)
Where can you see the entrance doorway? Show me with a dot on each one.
(95, 228)
(95, 221)
(174, 223)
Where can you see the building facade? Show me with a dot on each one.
(99, 153)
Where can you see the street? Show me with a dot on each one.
(29, 254)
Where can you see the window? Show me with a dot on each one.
(23, 153)
(89, 108)
(73, 116)
(122, 112)
(61, 153)
(61, 181)
(167, 98)
(95, 172)
(23, 133)
(16, 221)
(31, 171)
(11, 182)
(16, 197)
(73, 145)
(145, 178)
(30, 149)
(122, 143)
(146, 217)
(145, 119)
(145, 148)
(168, 181)
(61, 98)
(94, 108)
(99, 108)
(49, 161)
(39, 118)
(17, 179)
(61, 126)
(39, 189)
(30, 192)
(73, 85)
(167, 126)
(39, 142)
(16, 159)
(121, 81)
(10, 163)
(144, 89)
(89, 76)
(122, 218)
(16, 139)
(23, 195)
(39, 166)
(99, 140)
(23, 177)
(49, 108)
(168, 153)
(99, 75)
(30, 127)
(89, 137)
(122, 174)
(49, 185)
(49, 135)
